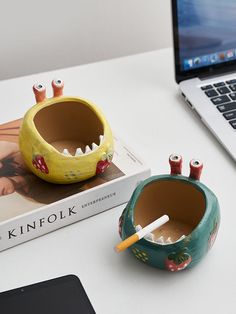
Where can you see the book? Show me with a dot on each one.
(31, 207)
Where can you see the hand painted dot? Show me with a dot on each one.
(185, 264)
(172, 269)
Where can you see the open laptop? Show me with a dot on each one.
(205, 63)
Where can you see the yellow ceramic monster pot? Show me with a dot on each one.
(65, 139)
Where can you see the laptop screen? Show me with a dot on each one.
(206, 33)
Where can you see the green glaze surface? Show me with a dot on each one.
(182, 254)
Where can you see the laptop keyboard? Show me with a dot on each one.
(223, 96)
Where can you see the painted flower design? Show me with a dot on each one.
(104, 162)
(178, 261)
(40, 164)
(141, 255)
(213, 235)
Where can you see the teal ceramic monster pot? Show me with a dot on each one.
(194, 216)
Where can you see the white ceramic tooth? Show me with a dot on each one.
(94, 146)
(138, 228)
(181, 238)
(149, 237)
(87, 149)
(66, 152)
(101, 138)
(78, 152)
(168, 240)
(160, 240)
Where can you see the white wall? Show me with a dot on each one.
(41, 35)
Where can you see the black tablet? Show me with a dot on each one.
(64, 295)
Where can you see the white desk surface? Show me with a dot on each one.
(140, 99)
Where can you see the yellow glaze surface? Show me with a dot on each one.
(48, 163)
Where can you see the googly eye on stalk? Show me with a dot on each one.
(196, 167)
(39, 92)
(175, 162)
(57, 85)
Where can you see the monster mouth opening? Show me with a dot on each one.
(72, 127)
(182, 202)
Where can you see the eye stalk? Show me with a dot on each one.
(57, 86)
(196, 167)
(39, 92)
(175, 162)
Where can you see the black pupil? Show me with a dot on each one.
(196, 163)
(40, 86)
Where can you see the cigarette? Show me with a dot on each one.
(141, 234)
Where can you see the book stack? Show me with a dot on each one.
(31, 207)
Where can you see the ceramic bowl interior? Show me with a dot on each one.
(69, 125)
(181, 201)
